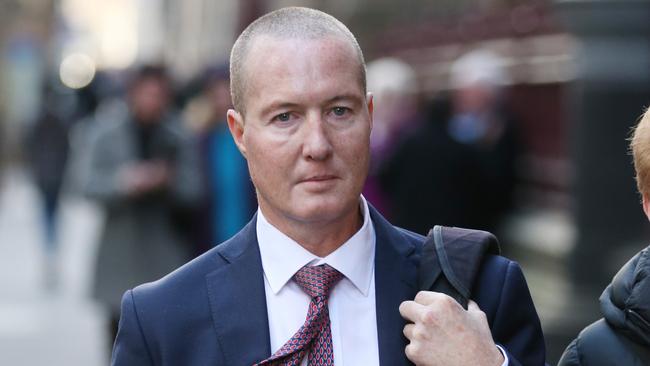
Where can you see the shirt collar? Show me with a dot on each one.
(282, 257)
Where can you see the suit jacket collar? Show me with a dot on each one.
(395, 281)
(238, 301)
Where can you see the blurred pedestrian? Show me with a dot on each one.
(97, 105)
(47, 155)
(230, 196)
(397, 116)
(462, 163)
(142, 169)
(622, 336)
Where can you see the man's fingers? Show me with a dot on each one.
(476, 312)
(408, 330)
(438, 301)
(428, 297)
(442, 333)
(472, 306)
(411, 311)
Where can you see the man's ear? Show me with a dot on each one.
(371, 106)
(646, 206)
(236, 126)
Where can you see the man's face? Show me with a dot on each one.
(306, 129)
(476, 98)
(149, 99)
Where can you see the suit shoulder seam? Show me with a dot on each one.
(137, 319)
(578, 352)
(410, 234)
(503, 284)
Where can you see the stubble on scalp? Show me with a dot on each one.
(285, 23)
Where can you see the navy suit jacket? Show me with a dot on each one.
(212, 311)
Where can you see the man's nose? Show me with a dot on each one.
(317, 144)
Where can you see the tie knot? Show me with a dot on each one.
(317, 280)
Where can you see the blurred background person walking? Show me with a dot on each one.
(462, 162)
(142, 169)
(229, 193)
(396, 117)
(47, 155)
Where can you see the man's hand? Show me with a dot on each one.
(443, 333)
(144, 177)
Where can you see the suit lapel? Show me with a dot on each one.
(238, 300)
(395, 281)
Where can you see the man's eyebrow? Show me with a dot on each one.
(345, 97)
(278, 105)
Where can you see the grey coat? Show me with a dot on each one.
(140, 240)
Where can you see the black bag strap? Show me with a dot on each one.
(451, 259)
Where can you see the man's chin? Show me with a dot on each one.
(324, 210)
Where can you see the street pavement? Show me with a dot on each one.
(40, 325)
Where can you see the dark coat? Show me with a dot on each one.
(622, 336)
(212, 311)
(467, 184)
(47, 149)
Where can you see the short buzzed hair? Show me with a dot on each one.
(640, 147)
(291, 22)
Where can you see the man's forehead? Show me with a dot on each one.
(265, 47)
(283, 61)
(297, 56)
(300, 59)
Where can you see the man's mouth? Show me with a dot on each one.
(319, 178)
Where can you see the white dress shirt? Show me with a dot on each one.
(351, 302)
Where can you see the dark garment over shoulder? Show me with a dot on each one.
(622, 336)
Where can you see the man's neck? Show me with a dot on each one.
(322, 237)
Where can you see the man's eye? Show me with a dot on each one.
(283, 117)
(340, 111)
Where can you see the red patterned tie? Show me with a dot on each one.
(315, 335)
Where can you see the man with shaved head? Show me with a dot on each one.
(318, 276)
